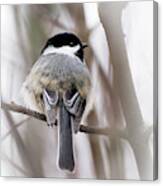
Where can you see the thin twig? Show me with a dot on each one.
(21, 146)
(20, 109)
(83, 128)
(15, 126)
(4, 157)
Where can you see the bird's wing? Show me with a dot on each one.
(75, 104)
(50, 99)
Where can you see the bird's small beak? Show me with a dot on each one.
(84, 45)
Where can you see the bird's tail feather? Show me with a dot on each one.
(65, 156)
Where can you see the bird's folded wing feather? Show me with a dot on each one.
(50, 99)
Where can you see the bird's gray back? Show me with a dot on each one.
(60, 66)
(61, 71)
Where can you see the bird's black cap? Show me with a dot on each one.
(66, 39)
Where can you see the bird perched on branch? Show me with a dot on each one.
(57, 86)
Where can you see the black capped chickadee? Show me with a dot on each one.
(57, 86)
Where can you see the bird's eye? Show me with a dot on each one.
(71, 43)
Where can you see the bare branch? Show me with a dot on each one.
(83, 128)
(20, 109)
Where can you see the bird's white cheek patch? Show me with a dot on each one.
(62, 50)
(49, 50)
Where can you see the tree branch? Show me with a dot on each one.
(83, 128)
(20, 109)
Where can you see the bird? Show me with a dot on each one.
(58, 86)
